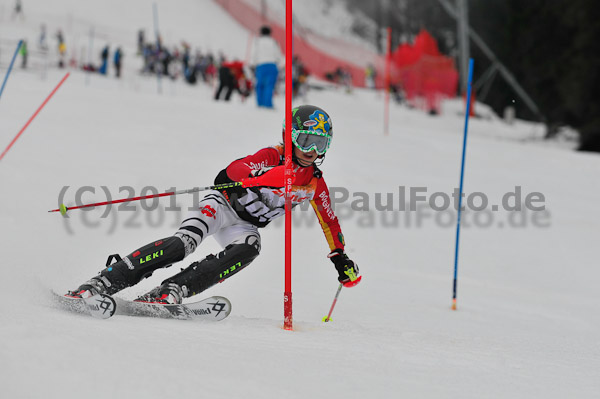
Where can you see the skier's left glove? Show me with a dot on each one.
(271, 178)
(347, 269)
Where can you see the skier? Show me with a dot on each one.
(233, 217)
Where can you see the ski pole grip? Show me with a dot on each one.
(273, 178)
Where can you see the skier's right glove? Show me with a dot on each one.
(347, 269)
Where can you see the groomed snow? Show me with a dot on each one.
(527, 320)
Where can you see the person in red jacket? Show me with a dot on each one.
(232, 77)
(233, 216)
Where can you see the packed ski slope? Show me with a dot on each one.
(527, 324)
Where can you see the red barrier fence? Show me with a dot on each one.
(425, 73)
(320, 60)
(420, 69)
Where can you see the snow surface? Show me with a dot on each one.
(528, 307)
(330, 18)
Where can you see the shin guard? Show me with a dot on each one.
(142, 263)
(213, 269)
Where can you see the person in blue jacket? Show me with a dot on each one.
(117, 61)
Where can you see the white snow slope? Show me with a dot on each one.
(528, 301)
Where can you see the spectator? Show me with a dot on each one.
(210, 69)
(232, 77)
(164, 61)
(117, 61)
(148, 54)
(104, 64)
(62, 49)
(141, 41)
(189, 68)
(397, 92)
(266, 57)
(23, 52)
(42, 42)
(299, 75)
(18, 10)
(344, 78)
(370, 75)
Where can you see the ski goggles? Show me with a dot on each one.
(308, 140)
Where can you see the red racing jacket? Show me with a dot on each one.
(261, 205)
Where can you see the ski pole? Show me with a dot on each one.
(63, 209)
(273, 179)
(328, 317)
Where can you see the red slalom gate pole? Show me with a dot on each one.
(287, 294)
(33, 116)
(388, 60)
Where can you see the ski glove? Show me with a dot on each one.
(347, 269)
(272, 178)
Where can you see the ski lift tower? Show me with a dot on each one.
(464, 52)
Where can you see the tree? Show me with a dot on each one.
(552, 48)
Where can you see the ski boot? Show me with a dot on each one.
(166, 294)
(94, 286)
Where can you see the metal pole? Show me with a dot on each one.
(463, 41)
(506, 74)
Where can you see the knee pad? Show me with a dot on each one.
(142, 263)
(214, 269)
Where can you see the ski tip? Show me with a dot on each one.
(101, 306)
(227, 308)
(218, 306)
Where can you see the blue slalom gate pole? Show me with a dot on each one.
(10, 66)
(462, 175)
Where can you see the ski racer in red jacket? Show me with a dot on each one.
(233, 216)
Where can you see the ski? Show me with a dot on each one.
(102, 306)
(214, 308)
